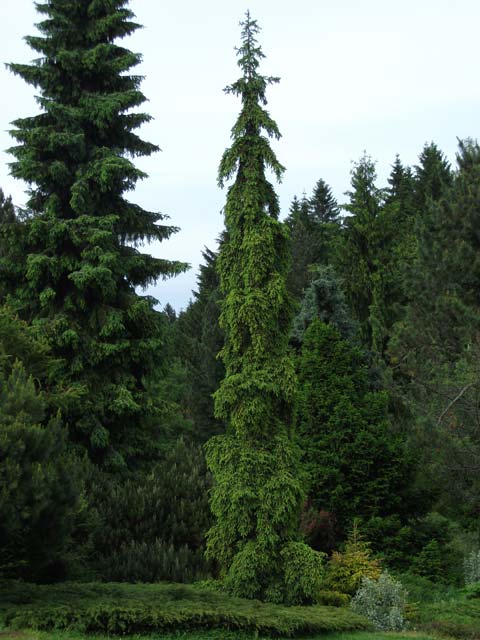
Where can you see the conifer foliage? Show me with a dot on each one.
(82, 236)
(257, 491)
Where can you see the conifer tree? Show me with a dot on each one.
(257, 489)
(40, 482)
(82, 236)
(199, 339)
(324, 207)
(433, 176)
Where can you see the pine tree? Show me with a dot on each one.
(257, 490)
(40, 482)
(82, 234)
(437, 346)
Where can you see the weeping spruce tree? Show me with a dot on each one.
(81, 238)
(257, 490)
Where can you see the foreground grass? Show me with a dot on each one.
(126, 609)
(174, 612)
(459, 618)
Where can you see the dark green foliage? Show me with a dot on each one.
(126, 609)
(314, 226)
(356, 464)
(429, 562)
(81, 236)
(40, 482)
(323, 206)
(437, 344)
(257, 490)
(199, 339)
(152, 526)
(433, 177)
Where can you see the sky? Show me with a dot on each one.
(379, 76)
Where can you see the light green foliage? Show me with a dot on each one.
(347, 569)
(304, 573)
(39, 481)
(383, 601)
(257, 492)
(471, 567)
(80, 264)
(121, 609)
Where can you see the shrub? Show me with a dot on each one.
(471, 567)
(333, 598)
(346, 570)
(382, 601)
(429, 562)
(304, 572)
(123, 609)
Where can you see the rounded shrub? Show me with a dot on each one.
(383, 602)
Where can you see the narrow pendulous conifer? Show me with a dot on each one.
(257, 490)
(80, 242)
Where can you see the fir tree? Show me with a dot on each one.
(314, 224)
(324, 207)
(433, 176)
(257, 490)
(199, 339)
(357, 465)
(82, 234)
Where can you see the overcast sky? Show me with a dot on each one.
(376, 75)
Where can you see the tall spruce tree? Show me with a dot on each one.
(81, 239)
(257, 490)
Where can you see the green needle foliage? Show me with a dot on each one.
(40, 481)
(257, 490)
(80, 241)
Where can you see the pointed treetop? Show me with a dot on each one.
(250, 147)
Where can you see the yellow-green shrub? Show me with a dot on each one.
(346, 570)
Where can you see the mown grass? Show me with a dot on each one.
(125, 609)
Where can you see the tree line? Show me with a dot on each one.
(324, 376)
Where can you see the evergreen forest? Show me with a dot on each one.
(295, 453)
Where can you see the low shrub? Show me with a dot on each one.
(346, 570)
(456, 618)
(124, 609)
(382, 601)
(333, 598)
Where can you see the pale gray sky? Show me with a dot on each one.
(376, 75)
